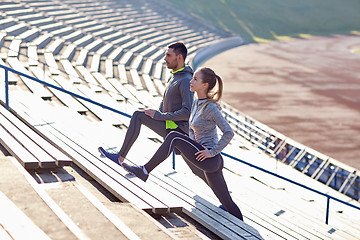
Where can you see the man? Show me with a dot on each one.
(175, 108)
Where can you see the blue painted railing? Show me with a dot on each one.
(7, 69)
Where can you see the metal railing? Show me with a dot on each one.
(7, 69)
(318, 166)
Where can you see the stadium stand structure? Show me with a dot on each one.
(111, 52)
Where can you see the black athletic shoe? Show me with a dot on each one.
(137, 171)
(112, 156)
(222, 207)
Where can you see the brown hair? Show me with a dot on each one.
(210, 77)
(179, 48)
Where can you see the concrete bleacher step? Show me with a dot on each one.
(292, 220)
(74, 36)
(150, 85)
(256, 210)
(276, 216)
(109, 68)
(89, 78)
(207, 214)
(30, 34)
(42, 40)
(143, 96)
(150, 50)
(116, 53)
(101, 113)
(56, 46)
(7, 22)
(83, 41)
(18, 226)
(32, 85)
(21, 141)
(83, 153)
(70, 70)
(82, 58)
(12, 78)
(106, 172)
(65, 98)
(95, 45)
(51, 63)
(292, 204)
(23, 191)
(95, 63)
(136, 81)
(17, 29)
(56, 201)
(14, 47)
(105, 50)
(64, 31)
(129, 97)
(226, 226)
(126, 58)
(106, 85)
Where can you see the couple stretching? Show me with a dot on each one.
(189, 127)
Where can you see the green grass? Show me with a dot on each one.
(273, 19)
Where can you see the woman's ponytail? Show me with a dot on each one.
(218, 94)
(210, 77)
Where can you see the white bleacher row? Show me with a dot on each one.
(304, 159)
(202, 201)
(319, 232)
(85, 39)
(79, 42)
(102, 16)
(74, 74)
(84, 89)
(88, 39)
(44, 39)
(64, 12)
(68, 53)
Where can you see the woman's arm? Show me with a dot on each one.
(227, 132)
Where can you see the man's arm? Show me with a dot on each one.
(183, 113)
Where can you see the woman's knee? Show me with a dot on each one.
(174, 134)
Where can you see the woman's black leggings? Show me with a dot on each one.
(210, 168)
(138, 118)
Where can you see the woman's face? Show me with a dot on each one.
(196, 84)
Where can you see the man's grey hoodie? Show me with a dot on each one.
(177, 99)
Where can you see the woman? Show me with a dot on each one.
(202, 148)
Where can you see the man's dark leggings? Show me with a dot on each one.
(211, 168)
(139, 118)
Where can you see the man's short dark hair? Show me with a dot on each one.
(179, 48)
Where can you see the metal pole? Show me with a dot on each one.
(173, 163)
(327, 210)
(6, 89)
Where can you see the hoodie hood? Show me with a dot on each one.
(186, 70)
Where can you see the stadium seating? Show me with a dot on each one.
(111, 52)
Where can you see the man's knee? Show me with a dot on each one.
(139, 116)
(136, 114)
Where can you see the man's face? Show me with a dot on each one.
(171, 59)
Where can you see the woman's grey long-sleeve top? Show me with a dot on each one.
(203, 122)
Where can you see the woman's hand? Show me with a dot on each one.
(203, 154)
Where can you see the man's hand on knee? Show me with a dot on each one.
(150, 112)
